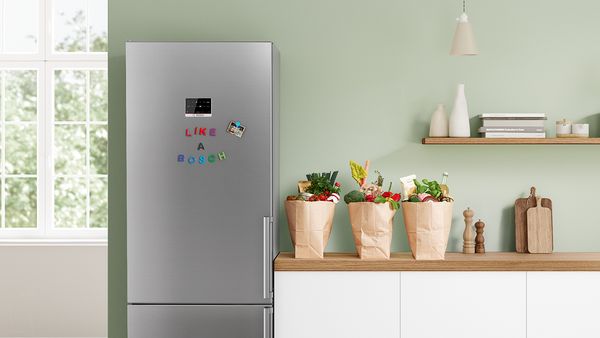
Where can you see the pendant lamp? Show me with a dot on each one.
(464, 39)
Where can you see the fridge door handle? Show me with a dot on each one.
(268, 322)
(267, 257)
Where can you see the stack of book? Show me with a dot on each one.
(525, 125)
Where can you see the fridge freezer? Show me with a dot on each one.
(201, 202)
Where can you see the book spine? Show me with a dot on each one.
(514, 135)
(511, 130)
(514, 123)
(513, 118)
(511, 115)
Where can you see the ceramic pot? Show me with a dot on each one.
(459, 118)
(439, 123)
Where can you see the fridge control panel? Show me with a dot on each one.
(198, 107)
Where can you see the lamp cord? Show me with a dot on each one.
(464, 6)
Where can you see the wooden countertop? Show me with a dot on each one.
(401, 261)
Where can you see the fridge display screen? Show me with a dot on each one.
(198, 107)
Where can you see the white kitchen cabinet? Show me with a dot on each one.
(337, 304)
(563, 304)
(463, 304)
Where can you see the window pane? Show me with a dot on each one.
(98, 202)
(70, 202)
(21, 203)
(69, 150)
(99, 149)
(21, 95)
(70, 26)
(98, 21)
(69, 95)
(21, 19)
(21, 141)
(98, 95)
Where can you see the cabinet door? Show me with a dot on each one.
(463, 304)
(563, 304)
(337, 304)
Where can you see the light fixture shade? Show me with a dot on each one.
(464, 39)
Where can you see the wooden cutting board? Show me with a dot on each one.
(539, 229)
(521, 206)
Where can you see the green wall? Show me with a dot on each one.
(360, 79)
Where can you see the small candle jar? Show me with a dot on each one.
(581, 130)
(563, 128)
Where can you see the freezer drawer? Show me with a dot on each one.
(200, 321)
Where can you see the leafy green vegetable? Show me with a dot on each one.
(379, 181)
(331, 176)
(358, 172)
(414, 198)
(380, 199)
(320, 184)
(428, 187)
(354, 196)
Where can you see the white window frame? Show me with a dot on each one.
(40, 55)
(45, 62)
(17, 233)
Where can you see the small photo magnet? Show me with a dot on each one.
(236, 128)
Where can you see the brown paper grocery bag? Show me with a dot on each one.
(310, 225)
(372, 225)
(427, 228)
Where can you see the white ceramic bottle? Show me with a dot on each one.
(459, 118)
(439, 123)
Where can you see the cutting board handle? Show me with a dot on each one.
(538, 201)
(532, 192)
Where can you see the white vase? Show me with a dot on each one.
(459, 118)
(439, 123)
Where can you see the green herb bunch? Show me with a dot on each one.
(429, 187)
(322, 184)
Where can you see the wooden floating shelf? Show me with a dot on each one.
(404, 261)
(480, 140)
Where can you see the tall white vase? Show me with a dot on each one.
(459, 118)
(439, 123)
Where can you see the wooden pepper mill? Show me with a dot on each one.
(468, 236)
(479, 240)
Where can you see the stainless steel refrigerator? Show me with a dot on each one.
(202, 188)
